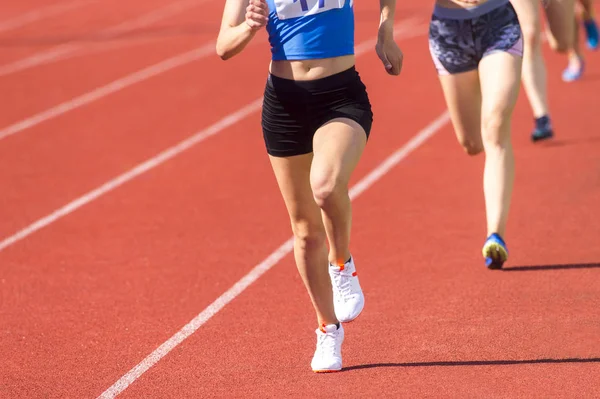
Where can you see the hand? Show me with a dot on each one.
(257, 14)
(388, 51)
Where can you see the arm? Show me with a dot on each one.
(386, 48)
(387, 9)
(241, 20)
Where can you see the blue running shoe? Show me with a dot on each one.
(572, 73)
(543, 129)
(495, 252)
(591, 32)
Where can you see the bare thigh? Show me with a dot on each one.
(338, 146)
(462, 92)
(500, 75)
(560, 29)
(528, 12)
(293, 178)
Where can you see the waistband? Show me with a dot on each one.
(327, 83)
(468, 12)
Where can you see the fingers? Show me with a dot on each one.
(386, 62)
(391, 57)
(257, 14)
(396, 63)
(259, 6)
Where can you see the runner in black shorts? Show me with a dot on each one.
(316, 120)
(477, 50)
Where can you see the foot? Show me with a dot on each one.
(328, 355)
(348, 298)
(495, 252)
(574, 70)
(543, 129)
(591, 32)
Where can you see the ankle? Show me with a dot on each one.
(575, 57)
(338, 260)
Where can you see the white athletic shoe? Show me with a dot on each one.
(328, 356)
(348, 298)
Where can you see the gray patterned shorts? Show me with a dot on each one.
(460, 37)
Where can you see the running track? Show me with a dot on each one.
(96, 289)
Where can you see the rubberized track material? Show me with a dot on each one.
(90, 295)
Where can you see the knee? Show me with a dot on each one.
(471, 147)
(532, 36)
(308, 234)
(325, 188)
(496, 130)
(559, 46)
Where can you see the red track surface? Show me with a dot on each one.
(90, 296)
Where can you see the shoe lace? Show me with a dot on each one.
(343, 284)
(326, 342)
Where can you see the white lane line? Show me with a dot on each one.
(155, 161)
(148, 19)
(110, 88)
(260, 269)
(61, 51)
(40, 14)
(406, 29)
(132, 173)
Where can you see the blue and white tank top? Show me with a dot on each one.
(310, 29)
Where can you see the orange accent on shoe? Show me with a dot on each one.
(354, 274)
(341, 266)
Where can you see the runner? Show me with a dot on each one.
(477, 50)
(316, 121)
(560, 17)
(576, 65)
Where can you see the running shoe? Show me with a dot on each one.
(348, 298)
(328, 355)
(574, 71)
(591, 32)
(495, 252)
(543, 129)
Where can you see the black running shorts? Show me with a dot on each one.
(294, 110)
